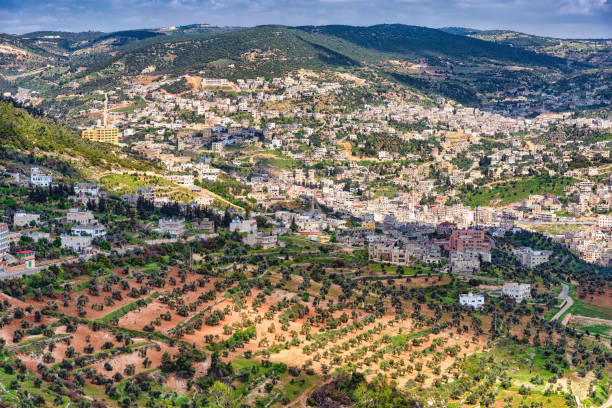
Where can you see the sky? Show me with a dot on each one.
(556, 18)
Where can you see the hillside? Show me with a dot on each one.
(589, 51)
(422, 42)
(24, 134)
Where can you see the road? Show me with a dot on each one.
(564, 296)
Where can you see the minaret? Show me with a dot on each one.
(105, 107)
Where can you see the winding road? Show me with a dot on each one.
(568, 302)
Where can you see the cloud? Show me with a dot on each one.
(584, 7)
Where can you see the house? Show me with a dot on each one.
(205, 225)
(77, 243)
(217, 146)
(531, 258)
(23, 219)
(39, 178)
(175, 228)
(90, 189)
(517, 291)
(472, 300)
(81, 217)
(37, 235)
(248, 226)
(261, 239)
(92, 230)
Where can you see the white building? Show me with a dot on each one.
(471, 300)
(604, 221)
(517, 291)
(175, 228)
(92, 230)
(77, 243)
(39, 178)
(531, 258)
(248, 226)
(23, 219)
(4, 239)
(90, 189)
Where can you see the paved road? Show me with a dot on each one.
(564, 295)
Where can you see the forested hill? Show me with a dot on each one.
(422, 42)
(27, 134)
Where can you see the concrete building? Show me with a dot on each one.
(248, 226)
(90, 189)
(175, 228)
(472, 300)
(469, 241)
(604, 221)
(92, 230)
(81, 217)
(23, 219)
(464, 262)
(531, 258)
(105, 134)
(517, 291)
(39, 178)
(261, 239)
(76, 243)
(4, 239)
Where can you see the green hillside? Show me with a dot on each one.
(595, 52)
(422, 42)
(23, 133)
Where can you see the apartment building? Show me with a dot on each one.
(517, 291)
(4, 239)
(39, 178)
(531, 258)
(469, 241)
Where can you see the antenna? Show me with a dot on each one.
(105, 107)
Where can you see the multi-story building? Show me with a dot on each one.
(464, 262)
(80, 216)
(604, 221)
(470, 299)
(105, 134)
(175, 228)
(23, 219)
(248, 226)
(517, 291)
(261, 239)
(39, 178)
(531, 258)
(4, 239)
(92, 230)
(469, 241)
(91, 189)
(77, 243)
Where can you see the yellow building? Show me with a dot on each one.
(107, 134)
